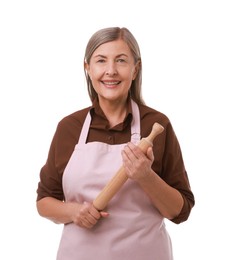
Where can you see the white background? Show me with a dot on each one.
(41, 80)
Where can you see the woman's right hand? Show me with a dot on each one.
(84, 215)
(87, 215)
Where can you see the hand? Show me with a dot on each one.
(87, 216)
(136, 164)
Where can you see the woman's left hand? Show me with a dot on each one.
(136, 164)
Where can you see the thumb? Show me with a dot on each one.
(150, 154)
(104, 214)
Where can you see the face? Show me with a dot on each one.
(111, 70)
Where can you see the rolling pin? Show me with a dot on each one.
(120, 177)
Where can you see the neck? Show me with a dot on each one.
(115, 111)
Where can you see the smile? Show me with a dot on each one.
(111, 83)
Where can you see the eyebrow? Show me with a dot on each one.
(117, 56)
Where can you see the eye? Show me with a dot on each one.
(100, 61)
(120, 60)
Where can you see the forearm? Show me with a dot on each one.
(165, 198)
(57, 211)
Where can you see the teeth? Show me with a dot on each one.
(111, 83)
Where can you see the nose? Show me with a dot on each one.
(111, 69)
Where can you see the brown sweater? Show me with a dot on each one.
(168, 162)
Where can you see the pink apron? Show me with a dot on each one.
(134, 229)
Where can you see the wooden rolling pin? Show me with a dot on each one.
(120, 177)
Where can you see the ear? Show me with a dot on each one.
(136, 69)
(86, 66)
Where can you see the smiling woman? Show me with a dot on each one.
(112, 69)
(88, 148)
(130, 55)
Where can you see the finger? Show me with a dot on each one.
(127, 162)
(150, 154)
(135, 151)
(90, 220)
(104, 214)
(87, 224)
(129, 151)
(94, 212)
(88, 215)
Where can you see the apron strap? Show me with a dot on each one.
(135, 124)
(85, 129)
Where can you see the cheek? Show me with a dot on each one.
(129, 73)
(131, 76)
(95, 73)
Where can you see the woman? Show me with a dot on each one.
(88, 148)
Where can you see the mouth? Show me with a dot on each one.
(111, 83)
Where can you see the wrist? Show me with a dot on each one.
(146, 178)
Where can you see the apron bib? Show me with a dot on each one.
(134, 228)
